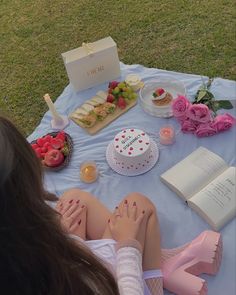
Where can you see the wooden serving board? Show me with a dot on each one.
(111, 117)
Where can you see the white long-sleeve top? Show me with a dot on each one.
(129, 271)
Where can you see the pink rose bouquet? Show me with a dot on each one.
(198, 119)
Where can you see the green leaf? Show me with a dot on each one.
(154, 94)
(201, 95)
(215, 106)
(225, 104)
(209, 94)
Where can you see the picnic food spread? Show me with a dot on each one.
(104, 107)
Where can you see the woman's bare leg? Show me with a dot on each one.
(96, 213)
(149, 234)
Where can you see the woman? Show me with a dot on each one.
(47, 252)
(37, 256)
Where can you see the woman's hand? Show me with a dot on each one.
(125, 223)
(72, 217)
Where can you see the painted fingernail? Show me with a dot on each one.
(143, 211)
(109, 220)
(77, 202)
(134, 203)
(126, 202)
(82, 206)
(79, 222)
(70, 201)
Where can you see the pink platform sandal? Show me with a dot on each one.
(202, 255)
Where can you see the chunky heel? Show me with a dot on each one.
(202, 255)
(208, 258)
(191, 285)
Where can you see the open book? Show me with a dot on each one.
(207, 184)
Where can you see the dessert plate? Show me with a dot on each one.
(169, 84)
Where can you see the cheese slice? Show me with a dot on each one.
(77, 116)
(93, 102)
(99, 99)
(81, 111)
(87, 107)
(102, 94)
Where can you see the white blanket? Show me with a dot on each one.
(179, 224)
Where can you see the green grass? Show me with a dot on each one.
(193, 36)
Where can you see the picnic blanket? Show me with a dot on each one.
(179, 224)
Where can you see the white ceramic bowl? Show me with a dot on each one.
(171, 85)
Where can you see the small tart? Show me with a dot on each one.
(163, 101)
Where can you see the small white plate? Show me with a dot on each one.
(173, 86)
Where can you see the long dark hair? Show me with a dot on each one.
(36, 257)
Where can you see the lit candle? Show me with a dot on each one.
(167, 135)
(56, 117)
(88, 172)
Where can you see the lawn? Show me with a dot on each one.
(194, 36)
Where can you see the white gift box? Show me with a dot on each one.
(92, 63)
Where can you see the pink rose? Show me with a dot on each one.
(205, 129)
(180, 106)
(199, 112)
(224, 122)
(188, 126)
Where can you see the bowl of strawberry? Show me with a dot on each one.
(53, 149)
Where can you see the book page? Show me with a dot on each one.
(194, 172)
(217, 201)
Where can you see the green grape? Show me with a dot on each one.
(125, 94)
(134, 95)
(121, 85)
(116, 90)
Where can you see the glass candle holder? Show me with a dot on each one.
(88, 172)
(134, 81)
(167, 135)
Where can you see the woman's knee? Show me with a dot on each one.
(76, 194)
(142, 202)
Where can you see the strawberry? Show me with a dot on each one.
(34, 146)
(110, 98)
(57, 143)
(50, 148)
(113, 84)
(47, 138)
(121, 102)
(47, 144)
(38, 152)
(44, 149)
(159, 92)
(40, 141)
(61, 135)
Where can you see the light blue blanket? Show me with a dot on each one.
(179, 224)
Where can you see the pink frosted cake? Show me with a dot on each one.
(132, 149)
